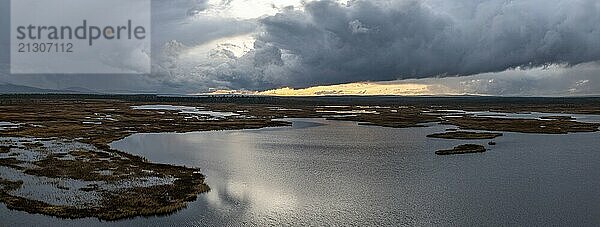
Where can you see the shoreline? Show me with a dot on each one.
(113, 120)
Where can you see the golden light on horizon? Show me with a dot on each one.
(358, 88)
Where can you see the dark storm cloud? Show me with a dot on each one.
(328, 42)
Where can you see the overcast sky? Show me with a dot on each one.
(495, 47)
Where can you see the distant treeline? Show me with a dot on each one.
(32, 98)
(7, 99)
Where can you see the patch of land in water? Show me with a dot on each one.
(554, 126)
(80, 180)
(99, 120)
(4, 149)
(463, 149)
(464, 135)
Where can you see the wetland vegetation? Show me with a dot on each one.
(65, 138)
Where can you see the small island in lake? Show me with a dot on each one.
(463, 149)
(465, 135)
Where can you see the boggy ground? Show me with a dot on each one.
(74, 180)
(97, 123)
(107, 173)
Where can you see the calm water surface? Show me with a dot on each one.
(320, 172)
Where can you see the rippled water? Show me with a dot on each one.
(321, 172)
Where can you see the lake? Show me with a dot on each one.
(320, 172)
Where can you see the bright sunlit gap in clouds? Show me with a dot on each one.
(247, 9)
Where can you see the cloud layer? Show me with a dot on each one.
(258, 45)
(550, 80)
(326, 42)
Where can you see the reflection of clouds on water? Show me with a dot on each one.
(256, 199)
(340, 173)
(245, 187)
